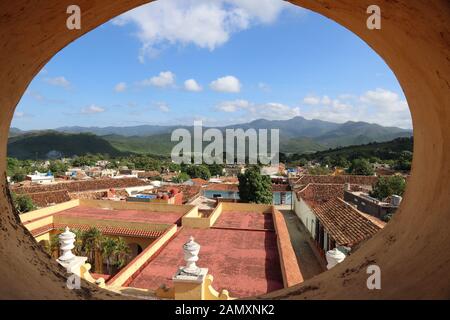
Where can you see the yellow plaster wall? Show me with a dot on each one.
(39, 223)
(36, 214)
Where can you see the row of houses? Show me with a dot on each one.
(337, 212)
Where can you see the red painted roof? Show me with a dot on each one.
(245, 263)
(245, 220)
(123, 215)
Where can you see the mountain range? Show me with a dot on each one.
(297, 135)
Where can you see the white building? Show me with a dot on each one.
(41, 178)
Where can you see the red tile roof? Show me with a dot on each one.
(315, 194)
(222, 187)
(109, 230)
(79, 186)
(344, 223)
(44, 199)
(281, 187)
(352, 179)
(199, 181)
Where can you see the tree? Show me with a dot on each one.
(198, 171)
(254, 187)
(23, 203)
(387, 186)
(181, 177)
(92, 243)
(318, 171)
(18, 177)
(115, 251)
(404, 161)
(361, 167)
(57, 167)
(108, 247)
(215, 169)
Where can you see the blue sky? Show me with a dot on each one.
(220, 61)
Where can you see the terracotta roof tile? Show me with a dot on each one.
(222, 187)
(109, 230)
(345, 224)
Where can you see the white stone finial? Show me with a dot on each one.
(191, 250)
(334, 257)
(66, 242)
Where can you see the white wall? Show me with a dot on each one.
(305, 214)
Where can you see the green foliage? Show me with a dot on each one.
(381, 152)
(23, 203)
(57, 167)
(115, 251)
(39, 145)
(318, 171)
(181, 177)
(215, 169)
(404, 161)
(387, 186)
(254, 187)
(361, 167)
(198, 171)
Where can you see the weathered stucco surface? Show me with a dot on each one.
(413, 251)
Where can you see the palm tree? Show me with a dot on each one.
(108, 250)
(92, 243)
(121, 252)
(53, 248)
(79, 235)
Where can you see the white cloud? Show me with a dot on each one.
(380, 106)
(192, 85)
(120, 87)
(92, 109)
(264, 87)
(204, 23)
(252, 111)
(228, 84)
(58, 81)
(311, 100)
(233, 106)
(164, 79)
(162, 106)
(19, 114)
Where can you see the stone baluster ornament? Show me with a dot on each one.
(191, 250)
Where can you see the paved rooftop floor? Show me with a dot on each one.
(125, 215)
(307, 261)
(245, 263)
(245, 220)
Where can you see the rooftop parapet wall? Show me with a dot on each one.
(414, 42)
(41, 213)
(288, 260)
(138, 263)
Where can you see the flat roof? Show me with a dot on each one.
(124, 215)
(245, 220)
(246, 263)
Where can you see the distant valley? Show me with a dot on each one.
(297, 136)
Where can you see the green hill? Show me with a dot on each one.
(389, 150)
(49, 144)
